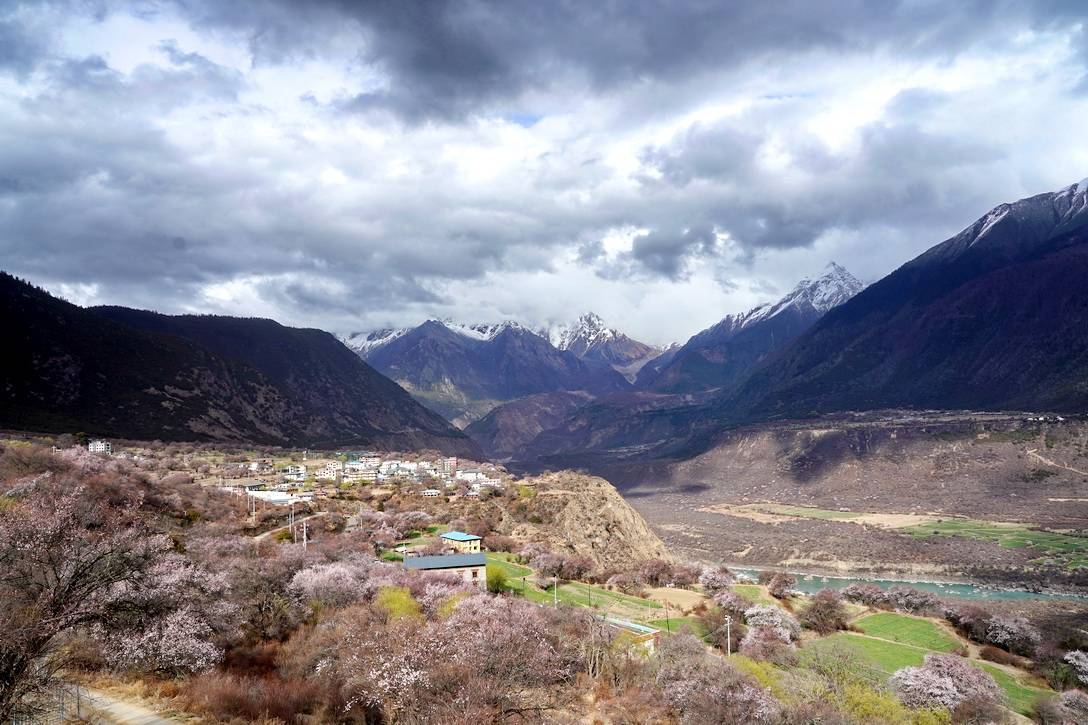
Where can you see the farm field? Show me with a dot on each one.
(907, 630)
(679, 624)
(808, 512)
(755, 592)
(885, 657)
(1021, 696)
(1068, 550)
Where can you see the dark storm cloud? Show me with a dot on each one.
(513, 137)
(665, 251)
(448, 58)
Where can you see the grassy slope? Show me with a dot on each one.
(907, 630)
(886, 657)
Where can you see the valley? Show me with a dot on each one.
(925, 495)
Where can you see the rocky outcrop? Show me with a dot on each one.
(585, 515)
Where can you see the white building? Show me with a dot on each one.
(431, 492)
(448, 467)
(331, 471)
(470, 475)
(295, 472)
(100, 446)
(370, 461)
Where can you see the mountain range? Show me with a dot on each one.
(126, 373)
(463, 371)
(590, 339)
(990, 319)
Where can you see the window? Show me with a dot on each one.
(475, 573)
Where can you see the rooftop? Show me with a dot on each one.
(459, 536)
(450, 561)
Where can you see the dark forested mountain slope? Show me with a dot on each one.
(135, 374)
(994, 318)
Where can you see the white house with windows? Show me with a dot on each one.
(100, 446)
(331, 471)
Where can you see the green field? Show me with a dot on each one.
(571, 593)
(1021, 697)
(755, 592)
(808, 512)
(502, 561)
(680, 624)
(1064, 549)
(885, 657)
(907, 630)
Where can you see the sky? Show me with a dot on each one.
(357, 165)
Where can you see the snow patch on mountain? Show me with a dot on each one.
(363, 343)
(483, 332)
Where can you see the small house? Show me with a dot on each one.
(100, 447)
(472, 568)
(462, 542)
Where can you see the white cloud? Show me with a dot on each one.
(184, 161)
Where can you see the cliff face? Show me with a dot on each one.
(585, 515)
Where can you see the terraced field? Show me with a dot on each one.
(914, 631)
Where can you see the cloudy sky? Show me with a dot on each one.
(351, 165)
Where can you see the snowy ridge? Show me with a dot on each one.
(835, 286)
(363, 343)
(588, 329)
(483, 332)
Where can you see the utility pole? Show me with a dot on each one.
(305, 533)
(668, 628)
(728, 637)
(555, 592)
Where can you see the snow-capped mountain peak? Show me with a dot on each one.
(362, 343)
(587, 331)
(835, 286)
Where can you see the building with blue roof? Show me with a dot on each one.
(462, 542)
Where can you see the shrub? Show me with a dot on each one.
(252, 699)
(767, 644)
(497, 580)
(864, 593)
(397, 603)
(780, 622)
(1000, 656)
(1015, 634)
(909, 599)
(498, 542)
(781, 585)
(732, 603)
(944, 681)
(825, 613)
(1078, 660)
(715, 580)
